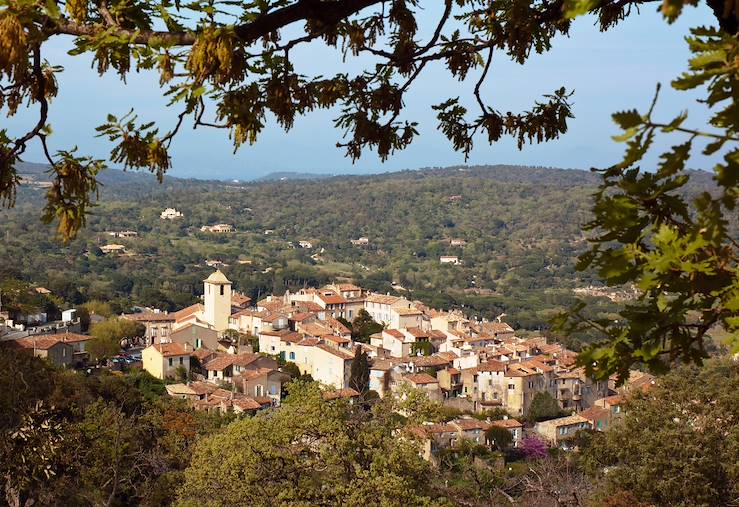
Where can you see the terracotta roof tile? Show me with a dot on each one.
(421, 378)
(171, 349)
(346, 392)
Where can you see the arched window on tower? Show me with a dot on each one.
(221, 290)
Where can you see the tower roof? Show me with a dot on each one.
(217, 277)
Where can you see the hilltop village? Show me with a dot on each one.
(231, 354)
(236, 354)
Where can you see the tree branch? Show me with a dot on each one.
(326, 12)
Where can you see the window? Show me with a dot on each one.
(511, 387)
(258, 390)
(170, 361)
(198, 343)
(221, 290)
(181, 360)
(292, 356)
(163, 332)
(531, 385)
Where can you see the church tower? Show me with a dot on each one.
(217, 292)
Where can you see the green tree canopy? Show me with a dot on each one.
(364, 326)
(543, 407)
(310, 452)
(501, 438)
(107, 336)
(677, 444)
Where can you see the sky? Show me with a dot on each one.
(609, 71)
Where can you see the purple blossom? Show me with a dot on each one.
(533, 448)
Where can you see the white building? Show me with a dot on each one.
(450, 259)
(218, 228)
(113, 248)
(170, 214)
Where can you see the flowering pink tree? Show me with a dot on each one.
(534, 448)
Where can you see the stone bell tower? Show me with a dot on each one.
(217, 294)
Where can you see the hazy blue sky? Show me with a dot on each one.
(608, 72)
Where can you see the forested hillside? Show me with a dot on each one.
(521, 227)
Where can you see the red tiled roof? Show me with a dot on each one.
(499, 327)
(491, 365)
(616, 399)
(202, 353)
(71, 337)
(407, 311)
(346, 392)
(347, 287)
(150, 317)
(437, 334)
(381, 365)
(382, 299)
(449, 355)
(186, 312)
(301, 316)
(272, 305)
(309, 306)
(434, 360)
(219, 363)
(469, 424)
(201, 388)
(421, 378)
(291, 337)
(309, 342)
(249, 312)
(417, 332)
(395, 334)
(239, 299)
(343, 354)
(330, 297)
(335, 339)
(171, 349)
(246, 403)
(252, 374)
(507, 423)
(314, 329)
(595, 413)
(43, 342)
(272, 316)
(336, 325)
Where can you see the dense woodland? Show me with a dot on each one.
(521, 225)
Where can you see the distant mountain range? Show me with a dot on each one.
(503, 173)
